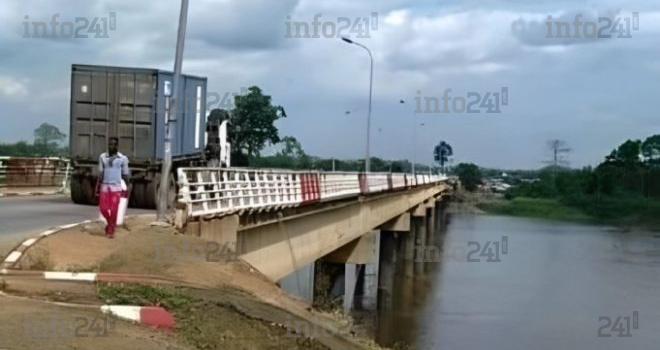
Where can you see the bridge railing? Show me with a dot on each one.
(33, 172)
(222, 191)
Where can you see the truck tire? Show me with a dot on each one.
(138, 194)
(82, 191)
(77, 195)
(89, 191)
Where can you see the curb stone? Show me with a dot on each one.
(146, 315)
(14, 256)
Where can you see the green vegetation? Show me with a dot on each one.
(47, 143)
(469, 175)
(536, 207)
(623, 190)
(252, 125)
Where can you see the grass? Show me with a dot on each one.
(619, 211)
(212, 319)
(536, 207)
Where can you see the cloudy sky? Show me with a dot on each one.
(592, 93)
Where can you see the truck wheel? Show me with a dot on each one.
(89, 192)
(138, 195)
(82, 191)
(77, 195)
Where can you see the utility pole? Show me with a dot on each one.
(172, 102)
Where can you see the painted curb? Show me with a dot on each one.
(86, 277)
(15, 255)
(146, 315)
(25, 194)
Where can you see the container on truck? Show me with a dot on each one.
(130, 103)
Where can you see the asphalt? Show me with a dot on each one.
(22, 217)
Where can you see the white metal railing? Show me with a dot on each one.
(338, 185)
(222, 191)
(34, 172)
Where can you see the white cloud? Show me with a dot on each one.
(12, 87)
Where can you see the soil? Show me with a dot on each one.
(236, 307)
(17, 312)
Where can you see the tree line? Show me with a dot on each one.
(626, 182)
(48, 142)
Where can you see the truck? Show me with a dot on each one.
(131, 104)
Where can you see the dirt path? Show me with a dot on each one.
(253, 319)
(19, 316)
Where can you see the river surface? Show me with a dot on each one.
(547, 293)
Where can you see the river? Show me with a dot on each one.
(556, 286)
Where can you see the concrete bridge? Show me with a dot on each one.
(297, 226)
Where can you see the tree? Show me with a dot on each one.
(627, 154)
(252, 124)
(442, 153)
(47, 140)
(469, 175)
(48, 134)
(651, 150)
(291, 147)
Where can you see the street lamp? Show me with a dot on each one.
(367, 161)
(415, 125)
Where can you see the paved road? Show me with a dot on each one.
(21, 217)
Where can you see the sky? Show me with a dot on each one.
(593, 93)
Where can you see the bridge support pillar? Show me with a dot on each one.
(430, 229)
(420, 244)
(371, 271)
(418, 233)
(387, 273)
(350, 282)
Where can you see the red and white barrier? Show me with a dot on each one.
(223, 191)
(146, 315)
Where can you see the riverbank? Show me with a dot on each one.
(628, 214)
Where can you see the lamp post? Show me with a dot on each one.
(173, 107)
(415, 146)
(367, 161)
(415, 125)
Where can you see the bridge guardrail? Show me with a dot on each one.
(34, 172)
(222, 191)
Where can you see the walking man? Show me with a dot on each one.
(113, 167)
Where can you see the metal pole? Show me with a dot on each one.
(371, 79)
(367, 161)
(414, 145)
(169, 128)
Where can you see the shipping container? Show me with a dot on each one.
(130, 103)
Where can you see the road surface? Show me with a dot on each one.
(22, 217)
